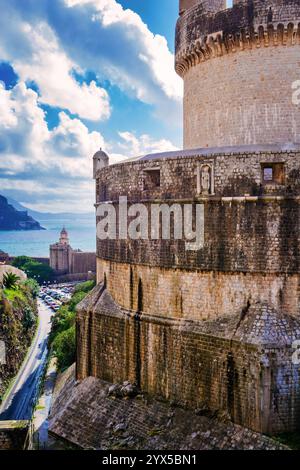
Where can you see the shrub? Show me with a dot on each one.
(85, 286)
(10, 281)
(64, 348)
(33, 286)
(28, 318)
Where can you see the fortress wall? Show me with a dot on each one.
(182, 362)
(82, 262)
(258, 236)
(237, 172)
(243, 98)
(181, 294)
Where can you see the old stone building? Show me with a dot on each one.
(69, 263)
(215, 327)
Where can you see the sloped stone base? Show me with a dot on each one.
(86, 416)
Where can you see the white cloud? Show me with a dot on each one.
(51, 69)
(26, 144)
(46, 40)
(54, 167)
(133, 146)
(152, 49)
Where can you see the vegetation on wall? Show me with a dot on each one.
(63, 338)
(18, 321)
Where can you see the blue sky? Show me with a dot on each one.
(76, 75)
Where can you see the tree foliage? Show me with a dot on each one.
(34, 269)
(62, 336)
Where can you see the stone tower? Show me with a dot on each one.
(217, 326)
(64, 237)
(60, 254)
(238, 67)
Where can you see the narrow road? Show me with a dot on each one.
(20, 400)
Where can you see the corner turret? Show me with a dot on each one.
(100, 160)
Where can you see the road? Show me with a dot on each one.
(21, 398)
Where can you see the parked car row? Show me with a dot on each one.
(54, 297)
(51, 302)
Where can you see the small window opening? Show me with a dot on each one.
(268, 173)
(273, 173)
(151, 179)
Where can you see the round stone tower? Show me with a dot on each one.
(240, 66)
(215, 322)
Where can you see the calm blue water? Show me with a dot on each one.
(82, 234)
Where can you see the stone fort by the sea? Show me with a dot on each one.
(217, 327)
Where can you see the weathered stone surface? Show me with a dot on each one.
(15, 435)
(212, 329)
(239, 364)
(88, 417)
(238, 67)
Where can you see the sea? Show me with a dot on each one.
(35, 243)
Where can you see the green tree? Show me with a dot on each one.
(62, 337)
(38, 271)
(33, 286)
(19, 261)
(64, 348)
(85, 286)
(34, 269)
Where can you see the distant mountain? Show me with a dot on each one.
(12, 219)
(43, 216)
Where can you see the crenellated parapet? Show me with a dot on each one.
(219, 44)
(202, 34)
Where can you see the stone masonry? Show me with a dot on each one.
(238, 67)
(70, 264)
(217, 327)
(90, 416)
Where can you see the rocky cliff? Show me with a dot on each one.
(11, 219)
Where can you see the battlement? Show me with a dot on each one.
(203, 32)
(230, 60)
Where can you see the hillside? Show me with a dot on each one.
(11, 219)
(18, 321)
(49, 216)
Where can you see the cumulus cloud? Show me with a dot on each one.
(55, 166)
(55, 45)
(133, 146)
(45, 64)
(150, 50)
(47, 39)
(26, 142)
